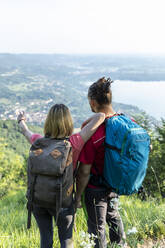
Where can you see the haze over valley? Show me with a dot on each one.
(34, 82)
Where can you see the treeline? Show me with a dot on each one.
(15, 141)
(154, 183)
(14, 152)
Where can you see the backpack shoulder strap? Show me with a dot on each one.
(30, 201)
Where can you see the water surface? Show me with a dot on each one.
(148, 96)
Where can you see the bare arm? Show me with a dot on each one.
(90, 126)
(82, 179)
(24, 128)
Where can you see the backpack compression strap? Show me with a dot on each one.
(58, 203)
(59, 196)
(112, 147)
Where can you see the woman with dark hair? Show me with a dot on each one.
(59, 125)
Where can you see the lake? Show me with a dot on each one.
(148, 96)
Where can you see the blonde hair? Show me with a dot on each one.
(59, 123)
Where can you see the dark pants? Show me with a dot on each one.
(44, 218)
(102, 208)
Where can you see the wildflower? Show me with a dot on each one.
(132, 231)
(82, 234)
(83, 244)
(86, 240)
(93, 236)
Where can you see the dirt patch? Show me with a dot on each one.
(151, 244)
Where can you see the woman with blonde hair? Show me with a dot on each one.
(59, 125)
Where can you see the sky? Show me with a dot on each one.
(82, 26)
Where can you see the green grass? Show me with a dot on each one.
(147, 217)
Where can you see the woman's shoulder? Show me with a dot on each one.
(34, 137)
(76, 141)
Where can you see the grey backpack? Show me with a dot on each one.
(50, 175)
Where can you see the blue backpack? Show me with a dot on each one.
(127, 147)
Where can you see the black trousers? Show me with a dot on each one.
(44, 218)
(102, 208)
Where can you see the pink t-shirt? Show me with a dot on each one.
(93, 152)
(34, 137)
(75, 140)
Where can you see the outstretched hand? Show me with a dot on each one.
(21, 116)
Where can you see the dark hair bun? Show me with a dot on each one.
(104, 85)
(100, 91)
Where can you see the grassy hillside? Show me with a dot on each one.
(143, 221)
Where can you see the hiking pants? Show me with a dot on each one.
(102, 208)
(44, 218)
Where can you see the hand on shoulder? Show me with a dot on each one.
(96, 117)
